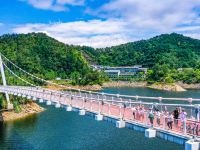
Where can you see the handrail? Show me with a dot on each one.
(58, 93)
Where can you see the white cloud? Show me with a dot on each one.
(71, 2)
(95, 33)
(54, 5)
(125, 21)
(193, 35)
(156, 15)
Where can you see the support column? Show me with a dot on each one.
(191, 145)
(150, 133)
(9, 105)
(120, 123)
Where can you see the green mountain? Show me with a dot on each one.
(173, 49)
(46, 57)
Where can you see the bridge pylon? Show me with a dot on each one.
(9, 105)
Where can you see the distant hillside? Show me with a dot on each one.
(173, 49)
(49, 58)
(46, 57)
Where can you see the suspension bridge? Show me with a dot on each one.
(115, 108)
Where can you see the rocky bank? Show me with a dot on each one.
(124, 84)
(167, 87)
(27, 109)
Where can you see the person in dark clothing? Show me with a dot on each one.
(176, 115)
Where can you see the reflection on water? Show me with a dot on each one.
(56, 129)
(11, 139)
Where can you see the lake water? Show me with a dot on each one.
(56, 129)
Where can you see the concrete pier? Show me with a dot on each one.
(57, 105)
(41, 100)
(28, 97)
(98, 117)
(10, 106)
(191, 145)
(48, 103)
(150, 133)
(82, 112)
(120, 123)
(69, 108)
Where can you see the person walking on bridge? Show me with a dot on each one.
(176, 115)
(158, 115)
(170, 121)
(151, 117)
(183, 117)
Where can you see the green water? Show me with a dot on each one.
(56, 129)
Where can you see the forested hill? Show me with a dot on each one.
(173, 49)
(46, 57)
(49, 58)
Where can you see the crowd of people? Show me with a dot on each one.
(176, 119)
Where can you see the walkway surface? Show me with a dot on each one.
(98, 104)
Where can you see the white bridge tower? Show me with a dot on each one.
(9, 105)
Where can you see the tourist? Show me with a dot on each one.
(196, 128)
(176, 115)
(196, 111)
(170, 121)
(137, 113)
(142, 112)
(158, 115)
(151, 117)
(134, 112)
(183, 117)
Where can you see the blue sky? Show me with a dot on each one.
(100, 23)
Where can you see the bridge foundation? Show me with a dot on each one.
(99, 117)
(150, 133)
(82, 112)
(41, 100)
(10, 106)
(48, 103)
(28, 97)
(57, 105)
(120, 123)
(191, 145)
(69, 108)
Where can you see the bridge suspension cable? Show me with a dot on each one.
(18, 76)
(85, 91)
(43, 80)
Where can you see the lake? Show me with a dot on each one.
(56, 129)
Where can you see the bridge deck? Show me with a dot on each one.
(107, 108)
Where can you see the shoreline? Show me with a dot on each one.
(27, 110)
(124, 84)
(176, 87)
